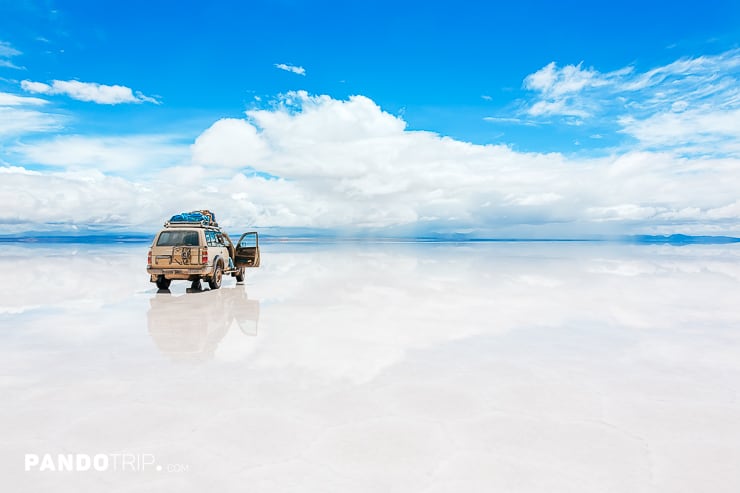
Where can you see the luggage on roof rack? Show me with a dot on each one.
(203, 217)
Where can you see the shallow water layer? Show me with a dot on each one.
(373, 367)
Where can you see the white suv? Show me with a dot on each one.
(194, 251)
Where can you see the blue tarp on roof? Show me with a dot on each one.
(193, 217)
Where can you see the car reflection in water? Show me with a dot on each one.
(190, 327)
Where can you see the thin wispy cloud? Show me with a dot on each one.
(691, 104)
(7, 52)
(105, 154)
(21, 115)
(510, 120)
(20, 121)
(8, 99)
(559, 90)
(88, 91)
(291, 68)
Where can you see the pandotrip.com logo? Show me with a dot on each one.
(108, 462)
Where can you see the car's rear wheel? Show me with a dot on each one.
(163, 283)
(240, 275)
(215, 281)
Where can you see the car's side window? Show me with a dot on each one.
(210, 238)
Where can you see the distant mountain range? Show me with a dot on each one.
(100, 238)
(679, 239)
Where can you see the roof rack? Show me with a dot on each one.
(192, 224)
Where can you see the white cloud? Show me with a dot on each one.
(117, 154)
(533, 199)
(57, 199)
(509, 119)
(88, 91)
(8, 99)
(558, 107)
(682, 71)
(7, 52)
(229, 142)
(696, 130)
(20, 115)
(558, 88)
(36, 87)
(690, 104)
(291, 68)
(553, 82)
(17, 121)
(346, 164)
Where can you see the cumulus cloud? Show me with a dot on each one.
(229, 142)
(689, 104)
(88, 91)
(89, 198)
(349, 165)
(291, 68)
(7, 52)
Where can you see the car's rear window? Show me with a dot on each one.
(178, 238)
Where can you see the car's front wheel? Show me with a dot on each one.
(215, 281)
(240, 275)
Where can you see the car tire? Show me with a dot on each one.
(215, 281)
(240, 275)
(163, 283)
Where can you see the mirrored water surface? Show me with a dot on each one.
(372, 367)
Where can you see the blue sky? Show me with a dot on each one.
(535, 97)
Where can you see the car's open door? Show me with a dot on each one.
(248, 250)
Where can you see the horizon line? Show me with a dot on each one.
(110, 238)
